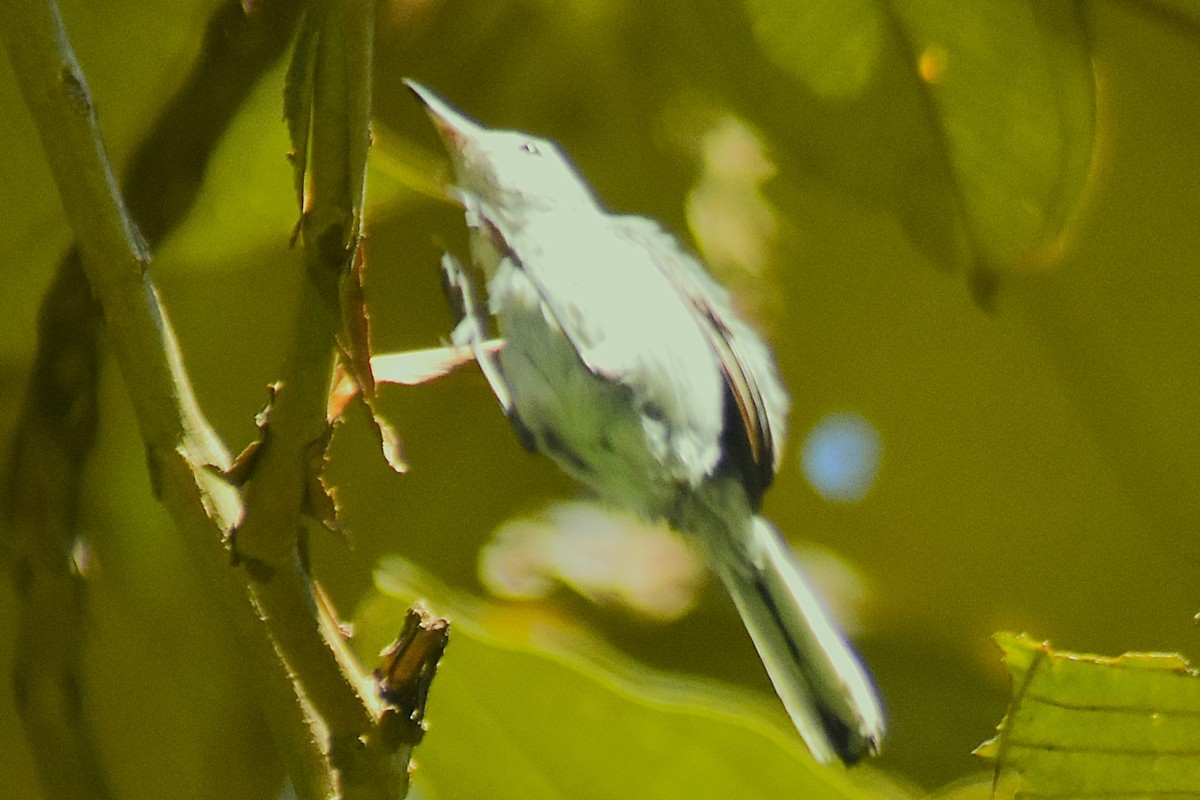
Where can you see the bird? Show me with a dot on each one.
(626, 363)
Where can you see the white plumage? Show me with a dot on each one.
(625, 362)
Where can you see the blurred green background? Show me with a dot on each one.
(985, 228)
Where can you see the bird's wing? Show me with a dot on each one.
(623, 313)
(755, 390)
(635, 269)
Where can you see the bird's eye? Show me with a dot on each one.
(530, 148)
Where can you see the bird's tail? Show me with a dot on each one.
(820, 680)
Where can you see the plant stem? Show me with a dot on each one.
(41, 513)
(164, 178)
(328, 106)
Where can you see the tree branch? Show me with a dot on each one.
(328, 106)
(370, 735)
(53, 438)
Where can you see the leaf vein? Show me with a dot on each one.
(1188, 752)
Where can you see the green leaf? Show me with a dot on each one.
(1185, 10)
(528, 709)
(973, 123)
(1087, 725)
(298, 98)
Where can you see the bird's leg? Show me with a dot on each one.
(471, 332)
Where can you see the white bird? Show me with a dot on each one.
(626, 363)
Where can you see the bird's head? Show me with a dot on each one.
(512, 172)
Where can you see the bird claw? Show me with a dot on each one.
(470, 331)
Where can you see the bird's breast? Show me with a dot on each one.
(631, 409)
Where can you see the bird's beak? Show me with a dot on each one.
(455, 129)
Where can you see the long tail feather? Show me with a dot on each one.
(816, 674)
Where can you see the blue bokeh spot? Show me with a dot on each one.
(841, 457)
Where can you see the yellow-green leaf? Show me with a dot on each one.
(524, 711)
(1184, 10)
(298, 98)
(1084, 725)
(974, 124)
